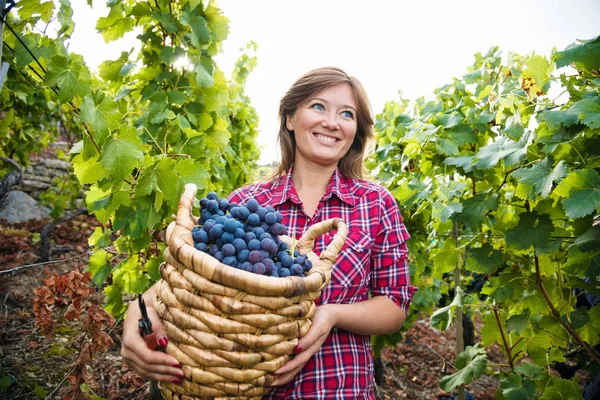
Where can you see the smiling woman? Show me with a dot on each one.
(325, 129)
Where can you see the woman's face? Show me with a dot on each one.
(325, 126)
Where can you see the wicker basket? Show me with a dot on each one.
(229, 328)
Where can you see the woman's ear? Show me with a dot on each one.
(288, 123)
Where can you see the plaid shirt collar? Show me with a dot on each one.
(284, 189)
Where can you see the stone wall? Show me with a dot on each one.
(42, 171)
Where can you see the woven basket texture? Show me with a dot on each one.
(231, 329)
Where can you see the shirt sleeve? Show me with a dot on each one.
(390, 275)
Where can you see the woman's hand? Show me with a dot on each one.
(309, 344)
(140, 354)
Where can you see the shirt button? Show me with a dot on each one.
(359, 247)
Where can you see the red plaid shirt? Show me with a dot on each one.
(373, 260)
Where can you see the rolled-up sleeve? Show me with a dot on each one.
(390, 275)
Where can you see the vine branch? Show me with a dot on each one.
(556, 315)
(506, 345)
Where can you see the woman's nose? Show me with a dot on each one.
(330, 122)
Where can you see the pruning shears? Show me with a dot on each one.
(145, 326)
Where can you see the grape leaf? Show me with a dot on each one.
(65, 15)
(475, 208)
(71, 76)
(562, 389)
(540, 70)
(102, 114)
(446, 258)
(585, 55)
(192, 172)
(532, 230)
(218, 23)
(99, 266)
(556, 118)
(168, 22)
(539, 178)
(483, 259)
(577, 261)
(128, 275)
(442, 317)
(110, 70)
(448, 120)
(113, 299)
(462, 134)
(450, 209)
(204, 77)
(514, 388)
(122, 153)
(588, 111)
(471, 363)
(503, 148)
(28, 8)
(595, 315)
(200, 31)
(176, 97)
(581, 192)
(205, 121)
(530, 370)
(160, 178)
(100, 238)
(517, 323)
(589, 241)
(115, 24)
(88, 171)
(465, 162)
(152, 267)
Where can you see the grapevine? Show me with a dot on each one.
(516, 173)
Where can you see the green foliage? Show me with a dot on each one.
(492, 156)
(149, 123)
(470, 364)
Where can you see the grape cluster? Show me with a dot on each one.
(468, 396)
(246, 237)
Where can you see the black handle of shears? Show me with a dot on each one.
(145, 324)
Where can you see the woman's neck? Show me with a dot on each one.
(310, 176)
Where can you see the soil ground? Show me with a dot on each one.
(33, 366)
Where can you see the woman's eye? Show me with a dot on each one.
(348, 114)
(318, 106)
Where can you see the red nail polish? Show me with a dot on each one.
(176, 381)
(180, 376)
(298, 349)
(163, 342)
(176, 365)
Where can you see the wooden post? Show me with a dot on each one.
(3, 65)
(460, 344)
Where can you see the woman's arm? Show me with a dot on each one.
(375, 316)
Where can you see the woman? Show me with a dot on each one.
(325, 129)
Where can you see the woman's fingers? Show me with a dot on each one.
(148, 362)
(157, 373)
(286, 377)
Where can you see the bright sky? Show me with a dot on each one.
(389, 45)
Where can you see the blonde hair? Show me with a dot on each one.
(306, 87)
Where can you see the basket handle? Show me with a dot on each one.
(307, 242)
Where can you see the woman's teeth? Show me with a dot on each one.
(326, 138)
